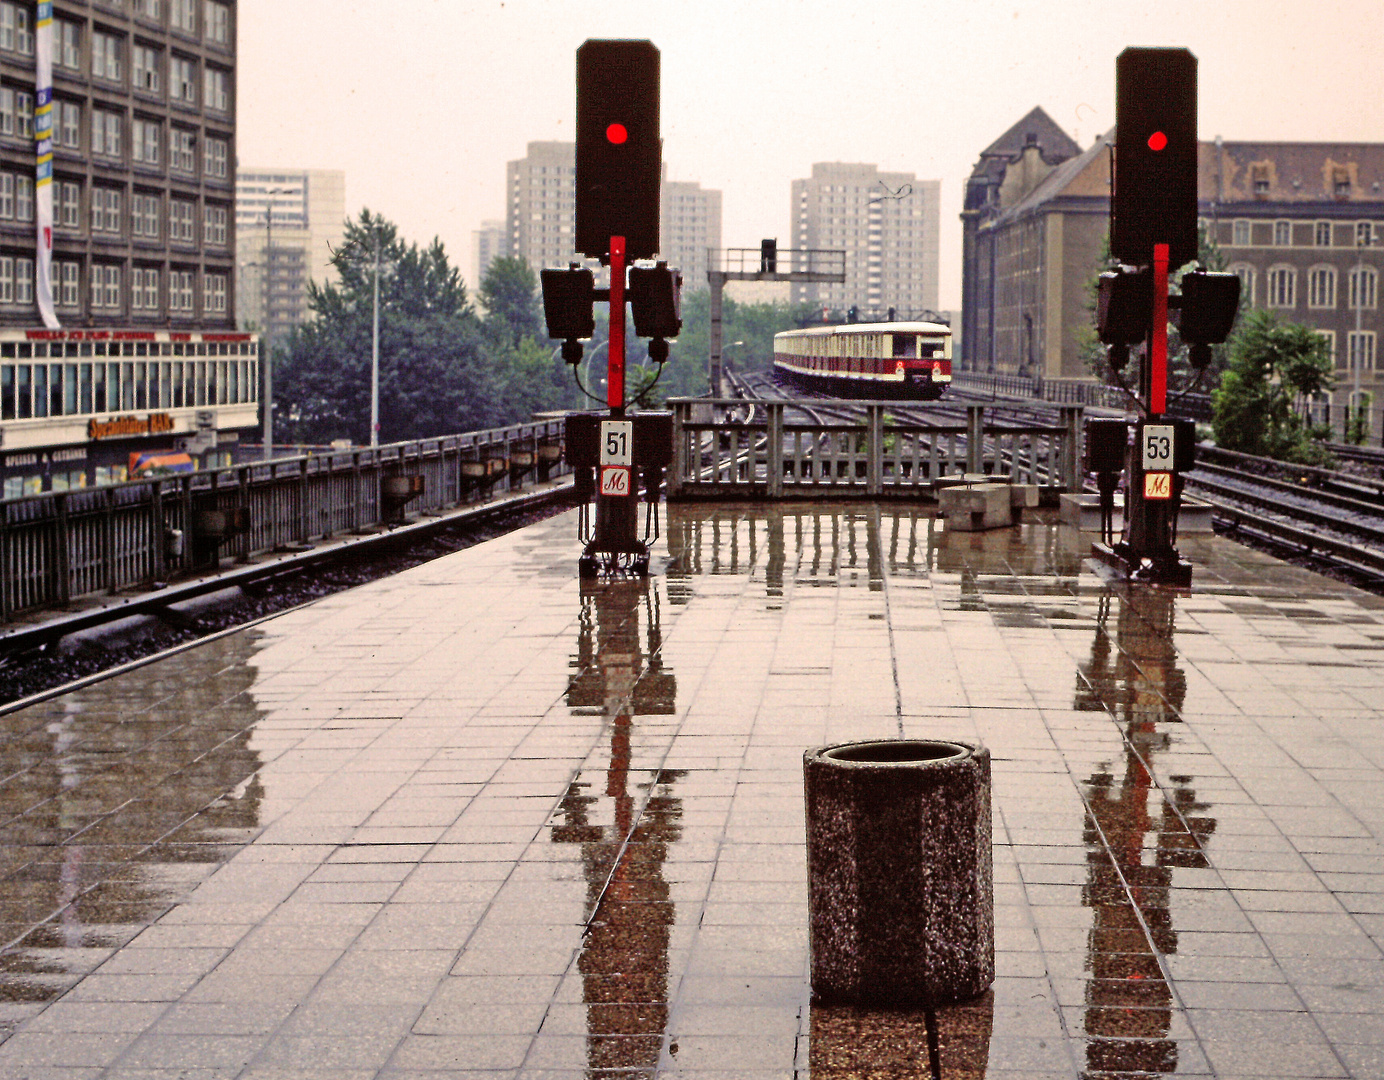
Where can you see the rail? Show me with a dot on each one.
(878, 456)
(61, 546)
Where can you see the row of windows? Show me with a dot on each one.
(1360, 349)
(151, 290)
(35, 391)
(1282, 286)
(17, 28)
(148, 145)
(106, 217)
(1241, 232)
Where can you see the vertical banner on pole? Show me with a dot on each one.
(43, 178)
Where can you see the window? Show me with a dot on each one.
(144, 289)
(1360, 350)
(182, 15)
(16, 112)
(67, 214)
(67, 44)
(24, 198)
(180, 290)
(216, 89)
(1321, 287)
(144, 215)
(145, 63)
(182, 150)
(105, 287)
(213, 293)
(1329, 336)
(65, 276)
(1282, 287)
(1362, 287)
(7, 196)
(148, 8)
(214, 159)
(183, 79)
(1283, 234)
(67, 125)
(105, 210)
(24, 281)
(1364, 233)
(180, 220)
(214, 225)
(1239, 233)
(7, 279)
(145, 138)
(16, 29)
(1323, 234)
(105, 56)
(105, 133)
(216, 18)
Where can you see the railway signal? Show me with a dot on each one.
(619, 172)
(619, 150)
(1155, 171)
(1153, 232)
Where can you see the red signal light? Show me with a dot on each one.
(1157, 141)
(617, 134)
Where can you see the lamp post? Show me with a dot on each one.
(1363, 238)
(375, 351)
(266, 290)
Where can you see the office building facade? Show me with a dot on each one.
(145, 369)
(887, 224)
(487, 243)
(288, 224)
(143, 163)
(541, 214)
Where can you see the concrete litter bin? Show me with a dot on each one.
(900, 871)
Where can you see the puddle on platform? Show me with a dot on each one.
(118, 799)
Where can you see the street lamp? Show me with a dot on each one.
(1363, 238)
(266, 291)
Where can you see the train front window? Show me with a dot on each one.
(905, 346)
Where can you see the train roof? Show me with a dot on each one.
(871, 328)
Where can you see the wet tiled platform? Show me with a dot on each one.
(473, 822)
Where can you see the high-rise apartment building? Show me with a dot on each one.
(540, 219)
(143, 163)
(487, 243)
(288, 223)
(886, 222)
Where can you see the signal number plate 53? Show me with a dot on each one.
(1158, 448)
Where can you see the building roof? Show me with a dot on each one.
(1085, 176)
(1036, 127)
(1291, 172)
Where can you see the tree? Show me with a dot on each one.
(509, 294)
(753, 324)
(433, 376)
(1275, 368)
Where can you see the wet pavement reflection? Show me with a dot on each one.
(481, 820)
(624, 829)
(1137, 833)
(117, 800)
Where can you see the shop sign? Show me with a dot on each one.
(122, 426)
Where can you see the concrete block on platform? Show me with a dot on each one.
(1083, 512)
(973, 507)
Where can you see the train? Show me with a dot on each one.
(891, 360)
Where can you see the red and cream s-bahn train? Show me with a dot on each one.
(891, 360)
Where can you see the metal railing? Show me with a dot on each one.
(1075, 392)
(879, 456)
(60, 546)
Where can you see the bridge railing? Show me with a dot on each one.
(60, 546)
(879, 456)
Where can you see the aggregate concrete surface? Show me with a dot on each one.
(477, 821)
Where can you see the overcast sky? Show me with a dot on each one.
(423, 103)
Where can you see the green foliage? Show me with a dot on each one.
(1358, 425)
(1275, 367)
(442, 370)
(753, 324)
(509, 294)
